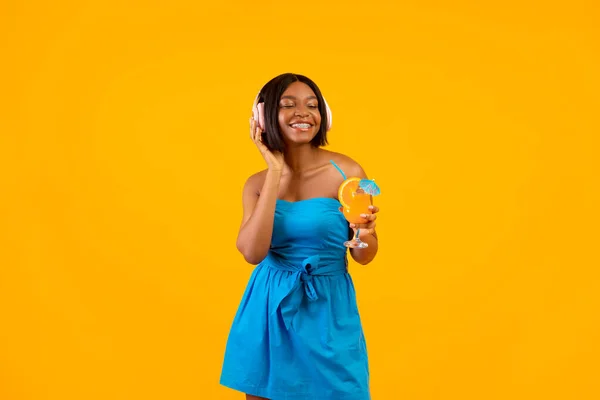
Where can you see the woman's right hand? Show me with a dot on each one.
(274, 159)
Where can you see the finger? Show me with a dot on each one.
(253, 129)
(261, 146)
(256, 133)
(367, 221)
(359, 226)
(369, 217)
(370, 228)
(374, 209)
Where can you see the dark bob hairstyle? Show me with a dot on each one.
(271, 93)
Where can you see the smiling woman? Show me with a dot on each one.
(297, 332)
(290, 99)
(299, 117)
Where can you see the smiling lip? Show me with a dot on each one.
(307, 125)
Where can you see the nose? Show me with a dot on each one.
(301, 111)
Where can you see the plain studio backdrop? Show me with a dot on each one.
(124, 145)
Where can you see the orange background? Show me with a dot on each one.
(124, 145)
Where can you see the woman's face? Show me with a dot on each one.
(299, 117)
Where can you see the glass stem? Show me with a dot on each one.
(357, 232)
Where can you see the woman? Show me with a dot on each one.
(297, 333)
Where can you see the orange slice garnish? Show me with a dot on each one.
(346, 189)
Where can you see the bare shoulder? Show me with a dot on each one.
(254, 182)
(350, 166)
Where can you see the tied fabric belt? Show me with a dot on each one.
(289, 297)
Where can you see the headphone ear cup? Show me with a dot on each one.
(328, 114)
(259, 115)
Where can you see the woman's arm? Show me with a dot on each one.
(254, 237)
(367, 231)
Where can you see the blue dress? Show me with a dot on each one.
(297, 333)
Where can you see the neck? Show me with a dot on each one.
(298, 159)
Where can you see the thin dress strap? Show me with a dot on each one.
(339, 169)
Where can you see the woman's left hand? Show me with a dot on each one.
(369, 226)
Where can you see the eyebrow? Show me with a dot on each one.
(294, 97)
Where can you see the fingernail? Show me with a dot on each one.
(371, 207)
(352, 225)
(363, 215)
